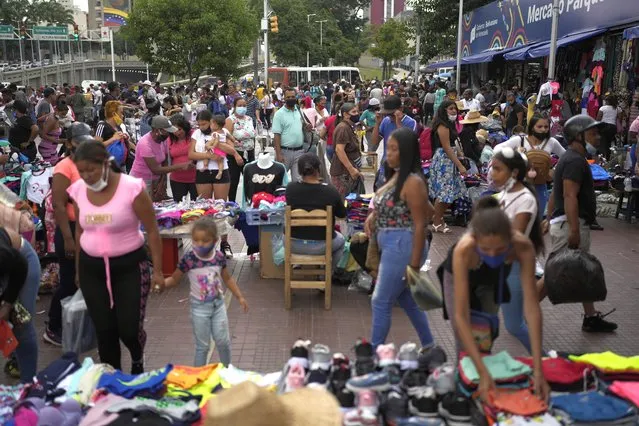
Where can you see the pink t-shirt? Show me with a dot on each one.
(146, 148)
(634, 127)
(112, 229)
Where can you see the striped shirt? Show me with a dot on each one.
(252, 104)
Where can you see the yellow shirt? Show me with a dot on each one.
(259, 93)
(609, 361)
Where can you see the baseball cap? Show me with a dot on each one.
(48, 92)
(373, 102)
(80, 132)
(391, 104)
(147, 83)
(161, 122)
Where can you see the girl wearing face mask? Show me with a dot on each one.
(474, 280)
(347, 160)
(113, 270)
(240, 125)
(50, 133)
(111, 132)
(538, 138)
(446, 171)
(518, 200)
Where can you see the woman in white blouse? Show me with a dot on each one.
(608, 115)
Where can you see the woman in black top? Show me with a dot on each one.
(312, 194)
(19, 281)
(22, 135)
(474, 280)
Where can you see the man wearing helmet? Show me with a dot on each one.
(572, 207)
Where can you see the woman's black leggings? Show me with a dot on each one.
(180, 189)
(267, 117)
(130, 283)
(236, 171)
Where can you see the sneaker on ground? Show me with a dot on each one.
(317, 379)
(225, 247)
(455, 409)
(420, 421)
(364, 357)
(423, 402)
(408, 356)
(367, 401)
(345, 397)
(377, 381)
(414, 380)
(339, 377)
(359, 417)
(52, 338)
(386, 355)
(431, 358)
(321, 358)
(442, 380)
(597, 324)
(299, 353)
(295, 378)
(393, 405)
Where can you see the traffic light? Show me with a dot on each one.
(76, 32)
(273, 22)
(23, 31)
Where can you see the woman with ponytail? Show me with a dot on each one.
(474, 280)
(113, 269)
(519, 201)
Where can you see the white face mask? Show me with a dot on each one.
(508, 185)
(452, 118)
(102, 183)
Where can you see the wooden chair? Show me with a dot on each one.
(297, 218)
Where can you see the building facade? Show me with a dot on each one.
(382, 10)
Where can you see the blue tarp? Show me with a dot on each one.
(631, 33)
(544, 48)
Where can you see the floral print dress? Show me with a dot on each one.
(445, 183)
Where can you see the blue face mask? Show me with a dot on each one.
(240, 110)
(493, 261)
(203, 251)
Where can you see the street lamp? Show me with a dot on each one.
(321, 22)
(460, 34)
(308, 55)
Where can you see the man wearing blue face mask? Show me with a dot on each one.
(572, 206)
(252, 106)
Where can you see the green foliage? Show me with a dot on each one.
(37, 12)
(169, 35)
(391, 41)
(436, 21)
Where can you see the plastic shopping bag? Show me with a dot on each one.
(574, 276)
(426, 293)
(78, 331)
(277, 245)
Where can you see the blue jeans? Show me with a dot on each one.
(513, 311)
(210, 321)
(314, 247)
(27, 350)
(391, 287)
(542, 199)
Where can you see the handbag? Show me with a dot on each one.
(8, 341)
(426, 294)
(311, 138)
(158, 189)
(118, 152)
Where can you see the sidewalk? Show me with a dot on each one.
(262, 338)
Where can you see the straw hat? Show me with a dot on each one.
(250, 405)
(482, 135)
(460, 106)
(473, 117)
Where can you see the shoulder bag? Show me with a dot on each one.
(311, 138)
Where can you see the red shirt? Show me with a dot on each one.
(330, 128)
(179, 152)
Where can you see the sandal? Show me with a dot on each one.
(441, 229)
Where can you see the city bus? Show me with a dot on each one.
(293, 76)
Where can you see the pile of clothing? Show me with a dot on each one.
(170, 214)
(71, 393)
(357, 206)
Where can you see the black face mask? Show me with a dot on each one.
(291, 103)
(207, 131)
(541, 136)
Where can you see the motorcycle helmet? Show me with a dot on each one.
(578, 125)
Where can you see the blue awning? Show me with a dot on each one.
(631, 33)
(485, 56)
(444, 64)
(521, 53)
(544, 48)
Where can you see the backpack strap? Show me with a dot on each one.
(521, 141)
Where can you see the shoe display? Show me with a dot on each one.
(299, 353)
(367, 401)
(412, 380)
(364, 357)
(321, 358)
(455, 409)
(53, 338)
(420, 421)
(431, 358)
(317, 379)
(597, 324)
(442, 380)
(408, 356)
(358, 417)
(226, 249)
(393, 405)
(339, 377)
(378, 381)
(345, 397)
(295, 378)
(386, 355)
(423, 402)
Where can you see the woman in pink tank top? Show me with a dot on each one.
(50, 134)
(112, 265)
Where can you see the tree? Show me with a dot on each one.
(391, 43)
(37, 12)
(436, 22)
(216, 38)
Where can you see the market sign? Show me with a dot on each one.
(512, 23)
(7, 32)
(51, 33)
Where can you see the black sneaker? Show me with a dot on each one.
(431, 358)
(423, 402)
(364, 357)
(52, 338)
(137, 367)
(225, 247)
(346, 398)
(339, 377)
(393, 405)
(597, 323)
(299, 353)
(317, 379)
(455, 409)
(414, 379)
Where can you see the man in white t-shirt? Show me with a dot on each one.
(470, 103)
(279, 93)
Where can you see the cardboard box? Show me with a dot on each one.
(268, 269)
